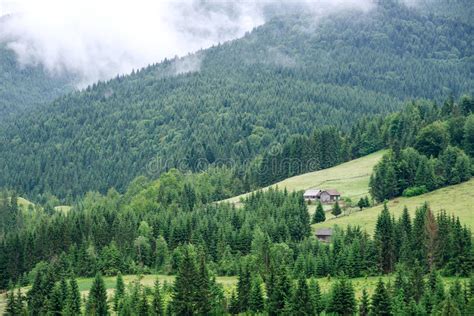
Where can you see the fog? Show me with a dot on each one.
(98, 39)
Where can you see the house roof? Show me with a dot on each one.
(312, 192)
(332, 192)
(324, 232)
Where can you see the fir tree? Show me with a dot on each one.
(364, 303)
(12, 306)
(97, 300)
(243, 288)
(55, 302)
(315, 294)
(384, 240)
(157, 305)
(73, 302)
(233, 307)
(119, 291)
(184, 290)
(319, 216)
(381, 304)
(301, 302)
(202, 292)
(256, 301)
(342, 299)
(143, 307)
(336, 209)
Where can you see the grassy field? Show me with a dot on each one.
(351, 179)
(229, 284)
(456, 199)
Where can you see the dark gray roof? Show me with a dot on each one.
(332, 192)
(324, 232)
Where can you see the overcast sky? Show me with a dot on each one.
(97, 39)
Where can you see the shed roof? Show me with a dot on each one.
(324, 232)
(312, 192)
(332, 192)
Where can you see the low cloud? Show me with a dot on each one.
(100, 39)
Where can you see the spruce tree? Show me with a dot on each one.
(157, 305)
(336, 209)
(301, 301)
(97, 300)
(384, 233)
(119, 291)
(233, 307)
(364, 306)
(203, 291)
(243, 288)
(381, 304)
(256, 301)
(315, 294)
(143, 307)
(73, 302)
(319, 216)
(184, 289)
(12, 307)
(55, 302)
(342, 300)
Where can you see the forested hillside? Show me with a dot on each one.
(288, 76)
(23, 87)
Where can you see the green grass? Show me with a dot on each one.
(456, 199)
(351, 179)
(229, 283)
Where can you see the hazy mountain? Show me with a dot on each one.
(232, 101)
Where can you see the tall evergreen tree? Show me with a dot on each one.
(157, 304)
(119, 291)
(342, 300)
(336, 209)
(315, 294)
(381, 301)
(364, 306)
(301, 301)
(256, 301)
(73, 301)
(384, 240)
(319, 216)
(184, 289)
(97, 299)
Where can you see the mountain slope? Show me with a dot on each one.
(351, 179)
(286, 77)
(24, 87)
(456, 200)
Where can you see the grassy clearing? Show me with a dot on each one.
(350, 178)
(229, 284)
(457, 200)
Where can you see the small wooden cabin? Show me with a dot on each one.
(324, 234)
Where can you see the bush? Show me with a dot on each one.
(414, 191)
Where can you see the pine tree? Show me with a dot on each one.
(381, 304)
(278, 291)
(319, 216)
(119, 291)
(342, 299)
(301, 302)
(256, 301)
(157, 305)
(12, 307)
(449, 308)
(97, 300)
(315, 294)
(202, 292)
(233, 307)
(184, 289)
(55, 302)
(73, 302)
(336, 209)
(384, 240)
(243, 288)
(364, 303)
(143, 307)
